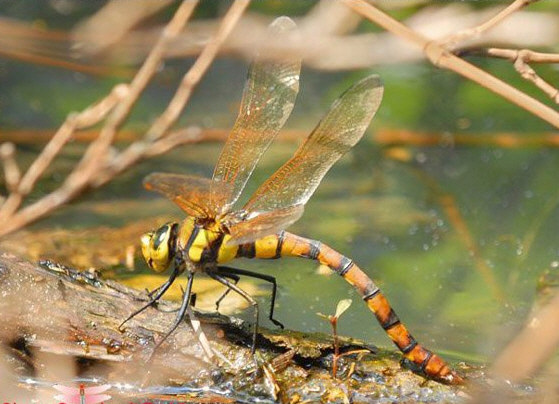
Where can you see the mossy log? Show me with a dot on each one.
(53, 314)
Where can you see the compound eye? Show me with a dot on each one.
(146, 247)
(161, 237)
(157, 249)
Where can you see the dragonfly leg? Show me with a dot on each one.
(155, 295)
(224, 281)
(267, 278)
(182, 311)
(153, 292)
(235, 280)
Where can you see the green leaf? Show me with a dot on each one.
(343, 305)
(324, 316)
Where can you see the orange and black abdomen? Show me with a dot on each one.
(286, 244)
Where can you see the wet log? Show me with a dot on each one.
(53, 314)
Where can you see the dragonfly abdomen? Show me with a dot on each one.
(291, 245)
(268, 247)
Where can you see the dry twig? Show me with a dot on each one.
(111, 23)
(74, 121)
(155, 133)
(12, 173)
(521, 59)
(439, 53)
(452, 40)
(115, 107)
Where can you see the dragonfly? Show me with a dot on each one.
(215, 232)
(82, 394)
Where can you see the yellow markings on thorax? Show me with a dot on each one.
(227, 251)
(203, 240)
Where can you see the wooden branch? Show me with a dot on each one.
(95, 167)
(452, 40)
(529, 56)
(99, 31)
(74, 121)
(12, 174)
(328, 42)
(527, 73)
(521, 59)
(155, 140)
(99, 164)
(118, 104)
(193, 76)
(439, 55)
(96, 154)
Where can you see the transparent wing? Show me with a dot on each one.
(97, 389)
(96, 398)
(190, 193)
(342, 127)
(268, 99)
(264, 224)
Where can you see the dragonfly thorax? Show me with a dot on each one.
(204, 241)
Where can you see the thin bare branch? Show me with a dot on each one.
(521, 59)
(156, 140)
(193, 76)
(440, 56)
(527, 73)
(140, 150)
(529, 56)
(113, 21)
(12, 174)
(74, 121)
(97, 153)
(97, 166)
(34, 58)
(328, 43)
(379, 17)
(475, 32)
(88, 117)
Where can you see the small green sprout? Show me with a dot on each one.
(342, 306)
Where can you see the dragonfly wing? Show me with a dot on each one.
(97, 389)
(268, 99)
(69, 399)
(96, 398)
(342, 127)
(190, 193)
(264, 224)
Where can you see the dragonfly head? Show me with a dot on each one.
(158, 247)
